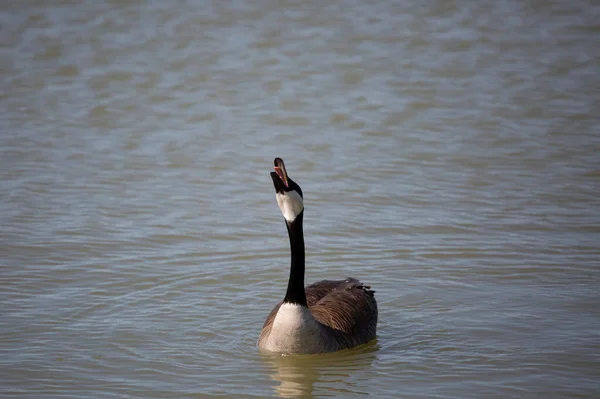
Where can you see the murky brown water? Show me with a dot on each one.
(448, 153)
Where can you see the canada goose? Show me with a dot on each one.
(325, 316)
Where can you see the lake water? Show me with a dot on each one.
(449, 157)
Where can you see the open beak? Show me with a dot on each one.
(279, 167)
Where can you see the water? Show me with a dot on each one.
(448, 152)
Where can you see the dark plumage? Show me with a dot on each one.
(346, 308)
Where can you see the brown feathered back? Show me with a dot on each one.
(346, 309)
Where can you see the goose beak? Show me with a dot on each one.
(279, 167)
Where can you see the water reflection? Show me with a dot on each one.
(307, 376)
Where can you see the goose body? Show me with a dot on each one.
(326, 316)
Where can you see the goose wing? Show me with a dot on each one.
(317, 291)
(347, 307)
(314, 293)
(350, 308)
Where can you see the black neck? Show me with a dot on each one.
(295, 290)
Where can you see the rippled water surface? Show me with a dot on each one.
(448, 153)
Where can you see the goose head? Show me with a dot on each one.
(289, 194)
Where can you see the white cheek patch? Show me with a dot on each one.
(291, 204)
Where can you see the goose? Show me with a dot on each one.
(326, 316)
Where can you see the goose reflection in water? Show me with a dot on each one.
(307, 376)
